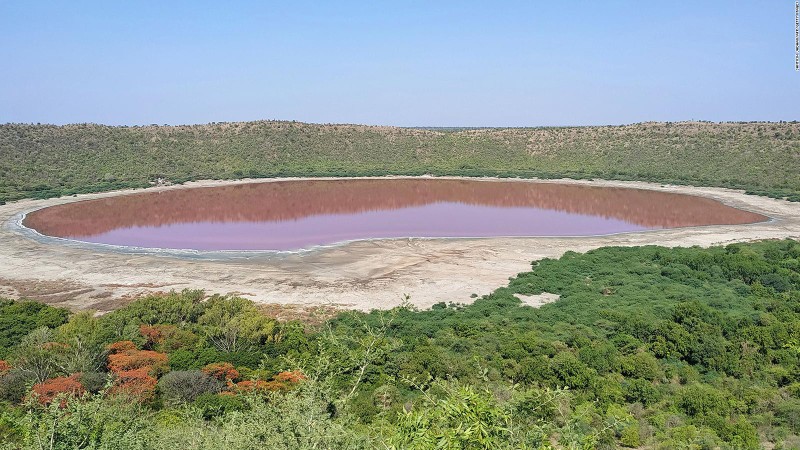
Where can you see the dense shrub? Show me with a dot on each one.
(136, 384)
(94, 381)
(123, 357)
(184, 386)
(222, 371)
(216, 405)
(14, 385)
(46, 391)
(17, 319)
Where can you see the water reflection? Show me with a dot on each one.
(294, 214)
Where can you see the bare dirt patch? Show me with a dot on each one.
(537, 300)
(46, 291)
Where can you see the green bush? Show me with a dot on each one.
(641, 391)
(215, 405)
(13, 386)
(703, 401)
(94, 381)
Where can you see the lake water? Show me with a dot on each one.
(291, 215)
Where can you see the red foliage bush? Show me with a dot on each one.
(4, 367)
(126, 360)
(249, 386)
(222, 371)
(135, 370)
(153, 333)
(295, 376)
(136, 383)
(120, 346)
(49, 389)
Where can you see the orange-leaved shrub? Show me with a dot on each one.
(136, 383)
(135, 370)
(47, 390)
(222, 371)
(293, 377)
(248, 386)
(124, 358)
(153, 333)
(120, 346)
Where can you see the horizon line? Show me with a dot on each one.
(415, 127)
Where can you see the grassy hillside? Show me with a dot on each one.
(43, 160)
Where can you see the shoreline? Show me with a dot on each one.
(360, 274)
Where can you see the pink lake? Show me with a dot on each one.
(292, 215)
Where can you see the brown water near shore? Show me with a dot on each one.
(289, 215)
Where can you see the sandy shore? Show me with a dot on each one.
(360, 275)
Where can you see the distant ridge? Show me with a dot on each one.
(48, 160)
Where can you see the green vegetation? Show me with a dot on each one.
(647, 347)
(44, 161)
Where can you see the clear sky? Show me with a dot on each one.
(406, 63)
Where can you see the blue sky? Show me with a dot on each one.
(406, 63)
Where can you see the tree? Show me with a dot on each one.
(35, 356)
(120, 346)
(462, 418)
(18, 319)
(84, 350)
(641, 365)
(639, 390)
(167, 338)
(233, 323)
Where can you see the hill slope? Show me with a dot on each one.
(46, 160)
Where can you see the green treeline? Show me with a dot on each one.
(42, 161)
(647, 347)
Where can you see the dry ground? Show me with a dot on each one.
(359, 275)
